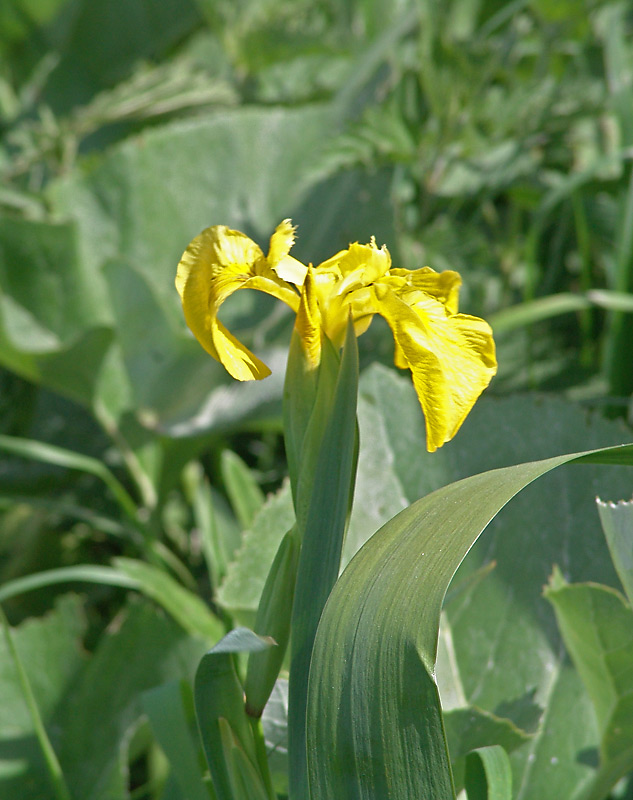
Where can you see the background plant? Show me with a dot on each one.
(491, 138)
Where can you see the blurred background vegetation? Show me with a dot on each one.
(490, 137)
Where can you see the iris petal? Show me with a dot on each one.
(451, 358)
(217, 263)
(443, 286)
(285, 266)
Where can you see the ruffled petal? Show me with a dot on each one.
(285, 266)
(451, 358)
(359, 265)
(217, 263)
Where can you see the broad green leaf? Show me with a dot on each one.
(488, 774)
(219, 701)
(105, 706)
(553, 521)
(185, 607)
(243, 490)
(169, 375)
(469, 729)
(55, 323)
(56, 777)
(376, 706)
(53, 298)
(53, 640)
(145, 203)
(617, 524)
(246, 575)
(325, 485)
(170, 711)
(160, 373)
(597, 627)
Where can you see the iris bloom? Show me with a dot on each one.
(451, 356)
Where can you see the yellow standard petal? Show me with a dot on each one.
(343, 287)
(286, 267)
(451, 358)
(217, 263)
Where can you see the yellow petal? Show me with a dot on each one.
(359, 265)
(281, 242)
(217, 263)
(238, 360)
(443, 286)
(451, 358)
(308, 322)
(285, 266)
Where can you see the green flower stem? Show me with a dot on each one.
(325, 483)
(54, 768)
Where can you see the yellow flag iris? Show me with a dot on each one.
(451, 355)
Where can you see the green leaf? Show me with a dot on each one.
(186, 608)
(170, 711)
(597, 627)
(243, 490)
(617, 524)
(219, 700)
(272, 620)
(246, 575)
(515, 667)
(393, 745)
(87, 573)
(158, 358)
(53, 640)
(245, 782)
(470, 728)
(53, 309)
(488, 774)
(218, 538)
(125, 206)
(275, 727)
(104, 708)
(51, 454)
(89, 41)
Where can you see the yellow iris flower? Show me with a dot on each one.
(451, 356)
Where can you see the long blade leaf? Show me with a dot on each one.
(373, 704)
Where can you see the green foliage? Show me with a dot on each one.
(394, 745)
(492, 138)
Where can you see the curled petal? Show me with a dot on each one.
(451, 358)
(217, 263)
(285, 266)
(238, 360)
